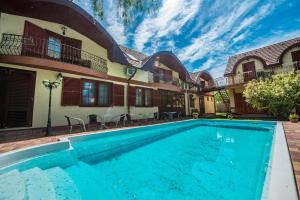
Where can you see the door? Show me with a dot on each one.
(17, 99)
(296, 59)
(242, 107)
(249, 71)
(201, 105)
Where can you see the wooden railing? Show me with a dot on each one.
(19, 45)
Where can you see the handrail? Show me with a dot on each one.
(12, 44)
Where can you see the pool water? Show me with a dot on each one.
(196, 159)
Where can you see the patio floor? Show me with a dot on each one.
(292, 133)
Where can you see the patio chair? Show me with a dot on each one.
(129, 120)
(79, 122)
(155, 116)
(121, 120)
(93, 119)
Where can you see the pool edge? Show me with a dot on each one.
(279, 182)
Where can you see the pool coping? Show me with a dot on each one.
(279, 182)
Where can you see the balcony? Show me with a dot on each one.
(166, 79)
(17, 45)
(239, 79)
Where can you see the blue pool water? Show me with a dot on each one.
(196, 159)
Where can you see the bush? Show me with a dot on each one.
(279, 95)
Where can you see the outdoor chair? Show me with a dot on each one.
(155, 116)
(79, 122)
(129, 120)
(93, 120)
(121, 120)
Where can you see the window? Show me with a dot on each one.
(54, 47)
(88, 93)
(103, 94)
(138, 97)
(147, 97)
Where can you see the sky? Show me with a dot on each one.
(204, 33)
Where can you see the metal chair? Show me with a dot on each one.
(93, 119)
(129, 120)
(121, 120)
(80, 123)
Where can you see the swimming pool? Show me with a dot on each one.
(195, 159)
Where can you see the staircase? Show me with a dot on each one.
(225, 99)
(77, 182)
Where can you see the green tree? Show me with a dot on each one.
(279, 94)
(127, 9)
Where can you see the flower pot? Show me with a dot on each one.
(294, 120)
(195, 116)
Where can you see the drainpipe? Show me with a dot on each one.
(128, 84)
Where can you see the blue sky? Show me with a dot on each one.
(204, 33)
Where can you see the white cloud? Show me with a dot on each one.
(170, 19)
(205, 65)
(114, 24)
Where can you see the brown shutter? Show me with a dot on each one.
(155, 98)
(70, 92)
(118, 95)
(131, 96)
(156, 75)
(71, 51)
(35, 43)
(168, 75)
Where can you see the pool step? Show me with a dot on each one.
(65, 188)
(12, 186)
(90, 183)
(38, 185)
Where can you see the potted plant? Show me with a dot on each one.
(294, 117)
(195, 115)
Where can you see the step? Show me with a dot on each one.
(90, 183)
(65, 188)
(12, 186)
(38, 186)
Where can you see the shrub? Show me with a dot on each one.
(279, 94)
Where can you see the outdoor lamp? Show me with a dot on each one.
(51, 85)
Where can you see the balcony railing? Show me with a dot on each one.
(166, 79)
(247, 76)
(19, 45)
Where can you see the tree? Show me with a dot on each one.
(127, 9)
(279, 94)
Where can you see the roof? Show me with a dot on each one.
(69, 14)
(170, 60)
(134, 57)
(269, 55)
(201, 74)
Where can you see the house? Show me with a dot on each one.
(40, 40)
(204, 102)
(263, 62)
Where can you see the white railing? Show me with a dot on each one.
(247, 76)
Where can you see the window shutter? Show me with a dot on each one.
(35, 43)
(155, 98)
(168, 75)
(71, 51)
(131, 96)
(118, 95)
(70, 92)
